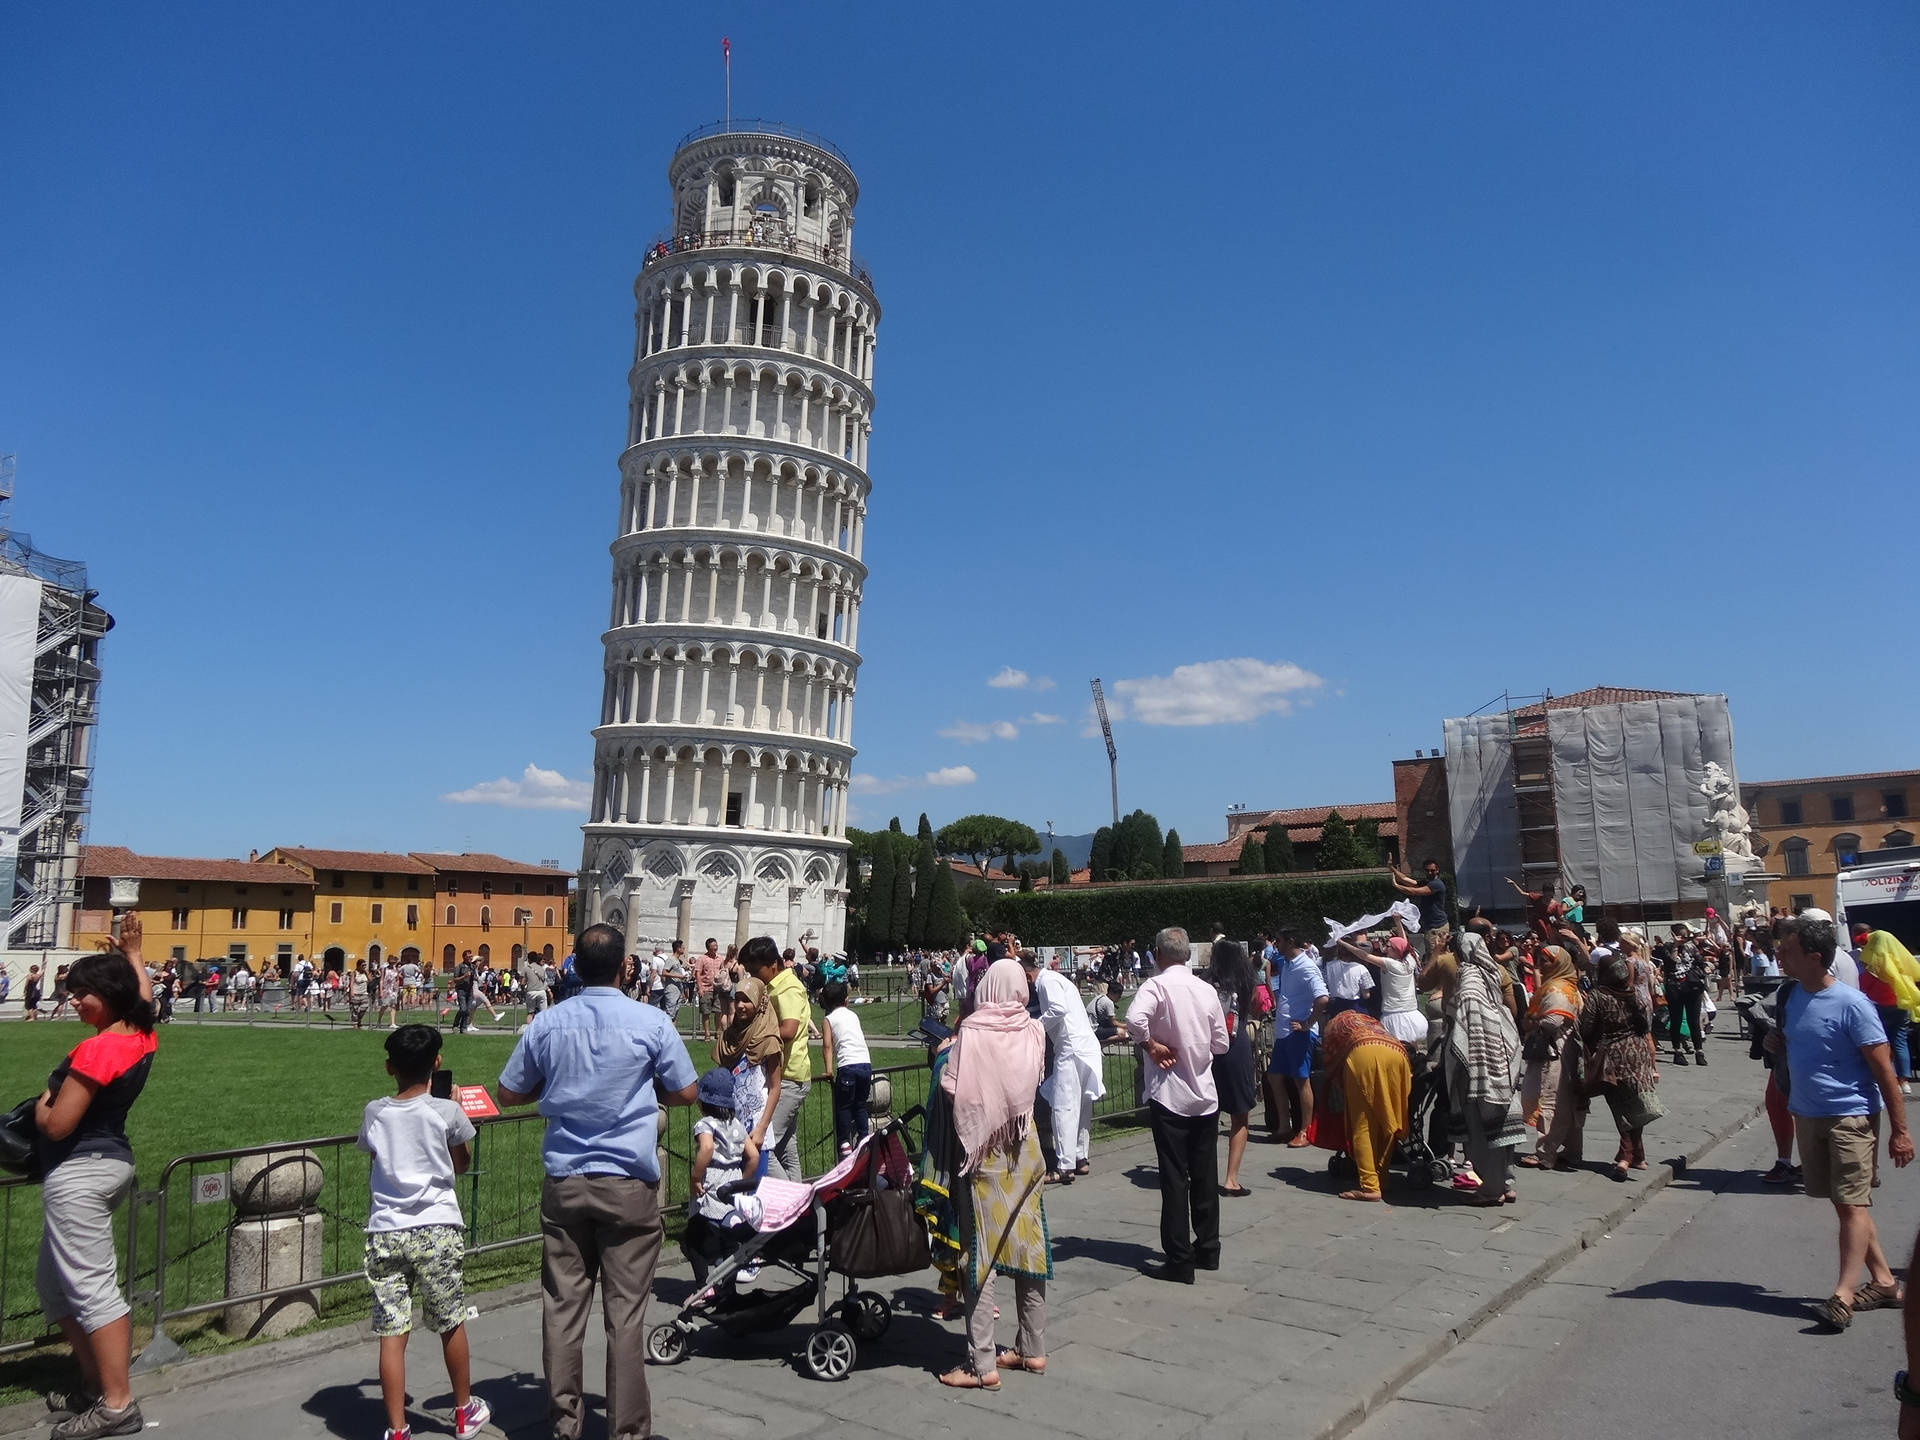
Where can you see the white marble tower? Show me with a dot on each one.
(726, 724)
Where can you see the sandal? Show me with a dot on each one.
(1619, 1172)
(1488, 1202)
(1053, 1178)
(967, 1380)
(1083, 1168)
(1372, 1196)
(1879, 1297)
(1528, 1162)
(1834, 1313)
(1014, 1360)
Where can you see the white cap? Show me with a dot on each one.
(1814, 913)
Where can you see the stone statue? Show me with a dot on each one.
(1727, 817)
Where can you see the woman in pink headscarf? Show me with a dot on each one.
(1398, 972)
(990, 1078)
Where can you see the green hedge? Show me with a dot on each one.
(1110, 914)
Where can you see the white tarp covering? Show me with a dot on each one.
(1481, 811)
(19, 630)
(1627, 794)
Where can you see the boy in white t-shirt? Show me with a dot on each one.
(415, 1236)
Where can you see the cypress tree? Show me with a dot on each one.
(923, 867)
(1100, 859)
(1279, 850)
(1060, 872)
(1173, 862)
(1026, 879)
(925, 832)
(1337, 850)
(1253, 857)
(946, 921)
(1366, 842)
(902, 917)
(880, 895)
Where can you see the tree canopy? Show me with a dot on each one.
(1253, 857)
(982, 838)
(1173, 861)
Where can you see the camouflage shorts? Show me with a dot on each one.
(430, 1258)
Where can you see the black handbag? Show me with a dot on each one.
(20, 1141)
(876, 1232)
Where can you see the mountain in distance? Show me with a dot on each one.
(1077, 848)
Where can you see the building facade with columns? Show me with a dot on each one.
(725, 740)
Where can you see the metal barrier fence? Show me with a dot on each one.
(178, 1260)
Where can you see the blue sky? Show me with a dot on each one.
(1398, 357)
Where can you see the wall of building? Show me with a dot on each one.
(194, 919)
(1420, 804)
(1821, 836)
(483, 910)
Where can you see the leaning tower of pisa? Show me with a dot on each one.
(726, 722)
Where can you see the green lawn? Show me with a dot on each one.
(221, 1087)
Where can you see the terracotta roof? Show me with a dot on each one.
(1317, 814)
(966, 871)
(375, 862)
(1833, 779)
(98, 861)
(1598, 695)
(1299, 834)
(481, 863)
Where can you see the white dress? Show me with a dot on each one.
(1399, 1006)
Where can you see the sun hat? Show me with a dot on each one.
(716, 1088)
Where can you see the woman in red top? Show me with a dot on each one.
(88, 1163)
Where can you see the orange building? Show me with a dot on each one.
(367, 904)
(199, 909)
(497, 908)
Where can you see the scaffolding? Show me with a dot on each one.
(62, 712)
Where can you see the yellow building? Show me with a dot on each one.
(496, 908)
(1808, 830)
(367, 904)
(199, 909)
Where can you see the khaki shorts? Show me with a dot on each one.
(1837, 1156)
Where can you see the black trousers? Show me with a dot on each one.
(1683, 998)
(1187, 1149)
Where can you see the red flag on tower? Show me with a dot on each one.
(726, 48)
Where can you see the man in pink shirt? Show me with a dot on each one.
(706, 970)
(1176, 1019)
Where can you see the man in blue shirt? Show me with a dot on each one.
(601, 1066)
(1300, 1000)
(1840, 1072)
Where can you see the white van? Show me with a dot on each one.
(1884, 895)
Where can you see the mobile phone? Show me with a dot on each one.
(441, 1085)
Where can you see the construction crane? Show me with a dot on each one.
(1113, 756)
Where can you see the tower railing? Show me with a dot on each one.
(762, 127)
(666, 244)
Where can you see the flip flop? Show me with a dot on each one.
(967, 1380)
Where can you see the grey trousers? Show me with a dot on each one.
(605, 1228)
(75, 1275)
(1030, 1298)
(783, 1131)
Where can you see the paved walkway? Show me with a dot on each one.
(1322, 1311)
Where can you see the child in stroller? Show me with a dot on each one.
(721, 1212)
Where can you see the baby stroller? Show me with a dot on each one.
(1422, 1152)
(856, 1221)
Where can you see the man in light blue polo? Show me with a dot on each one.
(601, 1067)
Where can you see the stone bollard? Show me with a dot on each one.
(275, 1241)
(880, 1100)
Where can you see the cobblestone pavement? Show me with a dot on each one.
(1322, 1311)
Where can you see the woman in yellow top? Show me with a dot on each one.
(1550, 1099)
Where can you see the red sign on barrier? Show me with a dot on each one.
(475, 1100)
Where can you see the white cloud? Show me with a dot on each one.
(971, 732)
(1012, 679)
(1215, 692)
(1037, 718)
(536, 789)
(946, 776)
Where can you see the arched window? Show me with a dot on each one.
(446, 958)
(1795, 850)
(516, 954)
(1892, 840)
(485, 957)
(550, 913)
(451, 914)
(723, 193)
(1846, 850)
(486, 917)
(810, 200)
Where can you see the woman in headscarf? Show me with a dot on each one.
(1614, 1026)
(1890, 978)
(1399, 997)
(1550, 1099)
(1483, 1070)
(1367, 1068)
(989, 1081)
(750, 1047)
